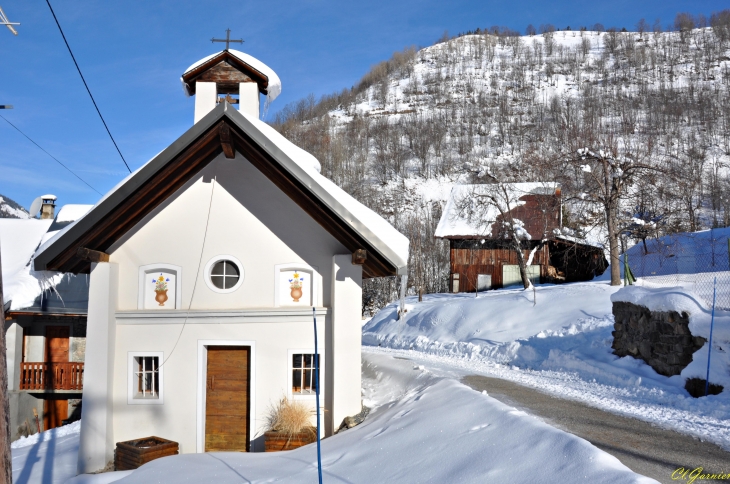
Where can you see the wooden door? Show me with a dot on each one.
(57, 344)
(54, 412)
(227, 399)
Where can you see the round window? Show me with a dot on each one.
(224, 274)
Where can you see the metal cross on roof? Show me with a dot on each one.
(228, 39)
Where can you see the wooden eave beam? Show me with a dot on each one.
(92, 255)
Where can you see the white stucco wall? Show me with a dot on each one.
(178, 417)
(253, 221)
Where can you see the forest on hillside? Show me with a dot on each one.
(634, 125)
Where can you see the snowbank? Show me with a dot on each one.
(46, 458)
(562, 346)
(486, 324)
(411, 437)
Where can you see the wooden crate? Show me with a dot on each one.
(134, 453)
(277, 441)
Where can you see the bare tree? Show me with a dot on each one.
(607, 179)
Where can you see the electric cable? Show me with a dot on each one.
(86, 86)
(197, 273)
(56, 159)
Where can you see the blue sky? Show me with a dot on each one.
(132, 54)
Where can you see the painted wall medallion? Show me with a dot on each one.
(294, 287)
(295, 283)
(161, 289)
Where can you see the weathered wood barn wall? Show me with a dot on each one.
(558, 261)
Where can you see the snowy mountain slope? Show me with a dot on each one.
(482, 107)
(11, 209)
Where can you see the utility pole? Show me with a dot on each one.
(6, 472)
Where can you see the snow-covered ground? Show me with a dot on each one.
(48, 457)
(409, 437)
(562, 345)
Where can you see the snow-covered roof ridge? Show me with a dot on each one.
(274, 87)
(360, 217)
(373, 228)
(455, 223)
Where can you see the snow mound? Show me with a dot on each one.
(410, 438)
(70, 429)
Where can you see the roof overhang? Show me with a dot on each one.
(222, 130)
(189, 77)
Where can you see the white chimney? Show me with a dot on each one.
(248, 98)
(205, 98)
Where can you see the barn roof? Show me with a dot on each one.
(455, 221)
(225, 130)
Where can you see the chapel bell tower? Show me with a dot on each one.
(231, 76)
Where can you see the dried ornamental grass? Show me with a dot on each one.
(290, 417)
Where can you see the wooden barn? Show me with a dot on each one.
(481, 257)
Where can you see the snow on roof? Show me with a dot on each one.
(380, 227)
(49, 197)
(455, 222)
(18, 241)
(71, 212)
(355, 213)
(274, 87)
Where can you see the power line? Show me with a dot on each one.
(86, 86)
(57, 161)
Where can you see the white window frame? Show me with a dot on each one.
(132, 380)
(209, 268)
(300, 266)
(290, 375)
(146, 270)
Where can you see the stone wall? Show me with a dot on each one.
(661, 339)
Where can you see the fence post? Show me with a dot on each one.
(709, 348)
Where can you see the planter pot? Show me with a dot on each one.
(134, 453)
(161, 297)
(277, 441)
(296, 293)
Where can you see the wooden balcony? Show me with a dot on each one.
(45, 377)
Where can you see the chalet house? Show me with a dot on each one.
(205, 267)
(474, 219)
(45, 324)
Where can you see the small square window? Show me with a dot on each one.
(145, 378)
(304, 380)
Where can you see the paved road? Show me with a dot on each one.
(643, 448)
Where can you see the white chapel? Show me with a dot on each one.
(205, 267)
